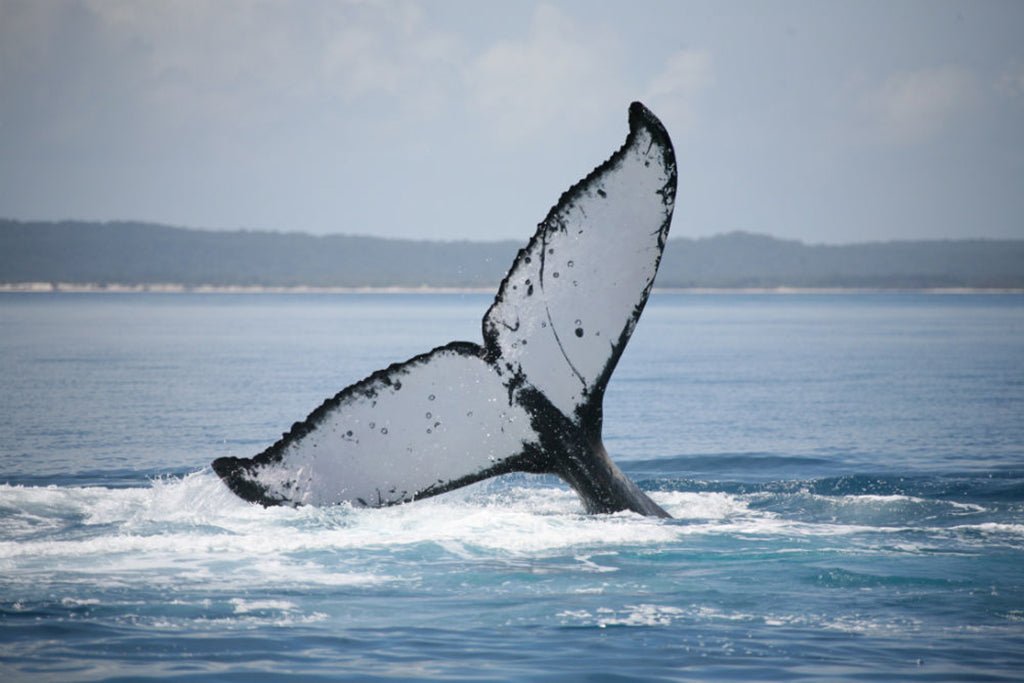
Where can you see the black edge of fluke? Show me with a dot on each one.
(569, 446)
(639, 117)
(233, 470)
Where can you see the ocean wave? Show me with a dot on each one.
(866, 509)
(189, 524)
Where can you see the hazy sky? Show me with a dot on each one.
(823, 121)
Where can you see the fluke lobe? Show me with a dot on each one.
(530, 398)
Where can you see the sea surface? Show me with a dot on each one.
(846, 473)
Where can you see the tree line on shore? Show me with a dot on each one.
(129, 253)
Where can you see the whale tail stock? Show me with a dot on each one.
(530, 398)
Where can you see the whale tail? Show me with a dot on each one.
(530, 397)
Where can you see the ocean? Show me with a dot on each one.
(846, 473)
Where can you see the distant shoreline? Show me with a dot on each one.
(170, 288)
(135, 257)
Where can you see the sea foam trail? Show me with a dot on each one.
(196, 516)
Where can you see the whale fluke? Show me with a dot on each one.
(528, 399)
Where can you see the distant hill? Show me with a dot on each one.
(745, 260)
(140, 253)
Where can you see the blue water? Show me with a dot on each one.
(846, 473)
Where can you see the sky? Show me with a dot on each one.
(823, 121)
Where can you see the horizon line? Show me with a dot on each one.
(302, 233)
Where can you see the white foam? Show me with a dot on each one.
(875, 500)
(870, 626)
(648, 614)
(588, 565)
(79, 602)
(516, 529)
(630, 615)
(716, 613)
(193, 529)
(248, 621)
(243, 606)
(713, 505)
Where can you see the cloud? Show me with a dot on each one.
(673, 92)
(914, 106)
(561, 71)
(1011, 82)
(392, 52)
(204, 63)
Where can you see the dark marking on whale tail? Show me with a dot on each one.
(530, 397)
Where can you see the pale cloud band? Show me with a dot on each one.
(913, 106)
(305, 115)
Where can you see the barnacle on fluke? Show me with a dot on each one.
(530, 397)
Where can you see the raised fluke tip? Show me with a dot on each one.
(642, 117)
(637, 107)
(640, 114)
